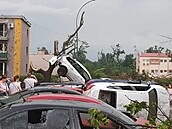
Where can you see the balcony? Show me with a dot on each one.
(3, 56)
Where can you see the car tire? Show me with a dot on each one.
(62, 71)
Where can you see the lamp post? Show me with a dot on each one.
(77, 20)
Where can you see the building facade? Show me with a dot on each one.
(154, 64)
(14, 45)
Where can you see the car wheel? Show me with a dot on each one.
(62, 71)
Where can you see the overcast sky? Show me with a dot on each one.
(107, 22)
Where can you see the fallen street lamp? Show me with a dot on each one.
(76, 45)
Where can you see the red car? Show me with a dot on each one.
(60, 111)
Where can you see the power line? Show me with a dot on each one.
(52, 31)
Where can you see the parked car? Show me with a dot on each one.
(71, 68)
(69, 85)
(119, 94)
(36, 90)
(58, 111)
(108, 80)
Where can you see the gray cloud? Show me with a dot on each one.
(107, 22)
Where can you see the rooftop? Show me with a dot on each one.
(15, 17)
(153, 55)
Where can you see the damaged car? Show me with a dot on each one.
(60, 111)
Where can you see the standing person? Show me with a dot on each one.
(15, 85)
(3, 86)
(29, 81)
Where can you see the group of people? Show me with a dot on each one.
(9, 87)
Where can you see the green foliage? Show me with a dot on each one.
(80, 55)
(43, 49)
(164, 81)
(39, 76)
(22, 78)
(97, 118)
(99, 73)
(165, 125)
(154, 49)
(54, 78)
(117, 52)
(135, 107)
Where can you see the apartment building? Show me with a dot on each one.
(154, 64)
(14, 44)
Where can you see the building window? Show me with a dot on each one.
(165, 60)
(165, 71)
(27, 51)
(3, 47)
(143, 63)
(170, 71)
(143, 60)
(156, 71)
(3, 30)
(161, 60)
(161, 71)
(26, 67)
(147, 64)
(152, 71)
(154, 61)
(143, 71)
(27, 34)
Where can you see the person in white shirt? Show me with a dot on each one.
(3, 86)
(30, 81)
(15, 85)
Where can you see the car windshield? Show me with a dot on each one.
(80, 70)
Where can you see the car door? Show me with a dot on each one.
(38, 118)
(82, 117)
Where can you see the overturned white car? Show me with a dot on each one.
(119, 94)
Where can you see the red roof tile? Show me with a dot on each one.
(153, 55)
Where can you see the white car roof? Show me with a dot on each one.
(124, 86)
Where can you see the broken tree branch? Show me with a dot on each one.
(46, 73)
(67, 42)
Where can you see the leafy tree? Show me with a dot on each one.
(129, 61)
(43, 49)
(105, 59)
(80, 55)
(117, 52)
(154, 49)
(99, 73)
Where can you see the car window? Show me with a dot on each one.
(152, 104)
(83, 118)
(81, 71)
(108, 97)
(38, 119)
(17, 121)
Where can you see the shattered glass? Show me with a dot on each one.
(43, 119)
(18, 121)
(52, 119)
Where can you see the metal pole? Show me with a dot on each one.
(77, 21)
